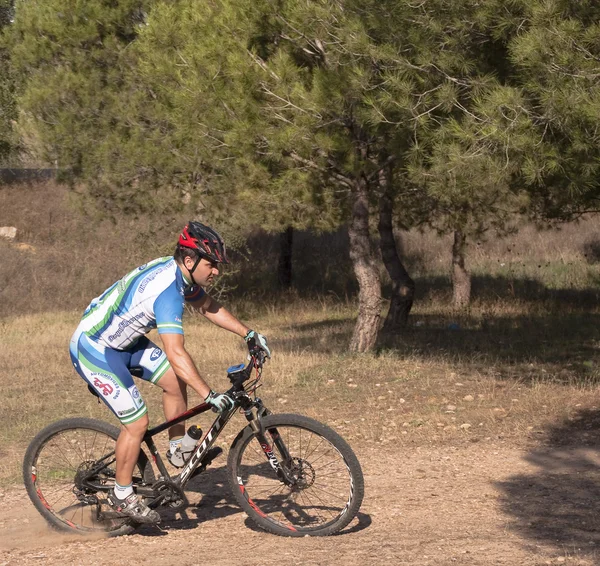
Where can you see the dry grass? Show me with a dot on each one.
(509, 380)
(523, 359)
(62, 259)
(565, 257)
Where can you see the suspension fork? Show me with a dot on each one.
(257, 426)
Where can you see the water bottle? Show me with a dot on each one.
(188, 443)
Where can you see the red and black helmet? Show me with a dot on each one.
(204, 239)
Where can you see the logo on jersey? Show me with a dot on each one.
(151, 277)
(124, 324)
(135, 395)
(156, 353)
(126, 412)
(107, 384)
(106, 388)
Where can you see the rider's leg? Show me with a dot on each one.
(122, 498)
(107, 372)
(157, 370)
(174, 401)
(127, 449)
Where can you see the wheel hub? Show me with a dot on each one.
(303, 473)
(82, 473)
(83, 493)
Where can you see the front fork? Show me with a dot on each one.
(255, 421)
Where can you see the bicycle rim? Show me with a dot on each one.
(323, 487)
(57, 469)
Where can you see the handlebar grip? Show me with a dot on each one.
(259, 356)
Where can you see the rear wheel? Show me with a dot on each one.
(69, 468)
(323, 486)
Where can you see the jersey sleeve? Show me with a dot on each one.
(194, 294)
(168, 310)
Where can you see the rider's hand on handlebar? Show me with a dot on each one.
(219, 401)
(256, 341)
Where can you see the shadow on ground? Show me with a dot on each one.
(557, 504)
(217, 502)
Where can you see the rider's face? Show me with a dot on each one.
(205, 271)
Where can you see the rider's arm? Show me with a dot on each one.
(182, 363)
(219, 315)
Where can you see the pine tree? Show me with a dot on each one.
(296, 115)
(287, 134)
(556, 52)
(7, 96)
(69, 58)
(470, 126)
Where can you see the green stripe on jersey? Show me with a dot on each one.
(115, 299)
(160, 371)
(178, 326)
(138, 414)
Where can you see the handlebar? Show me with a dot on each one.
(239, 374)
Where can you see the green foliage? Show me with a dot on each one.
(71, 60)
(268, 113)
(7, 100)
(557, 55)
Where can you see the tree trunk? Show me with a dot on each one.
(461, 278)
(365, 268)
(284, 268)
(403, 287)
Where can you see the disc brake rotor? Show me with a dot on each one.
(303, 473)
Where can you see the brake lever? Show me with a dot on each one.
(258, 358)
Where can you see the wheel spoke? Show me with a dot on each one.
(313, 506)
(60, 459)
(328, 493)
(319, 480)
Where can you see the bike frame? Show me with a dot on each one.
(242, 402)
(246, 405)
(196, 458)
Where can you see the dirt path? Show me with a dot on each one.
(475, 504)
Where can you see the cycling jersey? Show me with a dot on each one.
(110, 340)
(150, 296)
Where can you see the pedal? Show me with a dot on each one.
(213, 453)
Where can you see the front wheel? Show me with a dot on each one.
(68, 469)
(317, 491)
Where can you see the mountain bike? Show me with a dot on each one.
(291, 474)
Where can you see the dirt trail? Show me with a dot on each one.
(475, 504)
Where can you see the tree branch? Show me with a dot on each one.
(312, 165)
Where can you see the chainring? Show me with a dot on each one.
(168, 493)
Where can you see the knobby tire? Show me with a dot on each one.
(50, 467)
(330, 486)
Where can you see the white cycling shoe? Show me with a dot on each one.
(134, 508)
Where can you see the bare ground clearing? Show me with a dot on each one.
(470, 504)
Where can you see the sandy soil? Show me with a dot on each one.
(473, 504)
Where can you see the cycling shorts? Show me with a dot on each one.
(108, 372)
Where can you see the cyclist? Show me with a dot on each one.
(110, 341)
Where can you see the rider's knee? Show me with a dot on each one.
(171, 384)
(139, 427)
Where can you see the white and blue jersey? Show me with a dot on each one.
(151, 296)
(111, 338)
